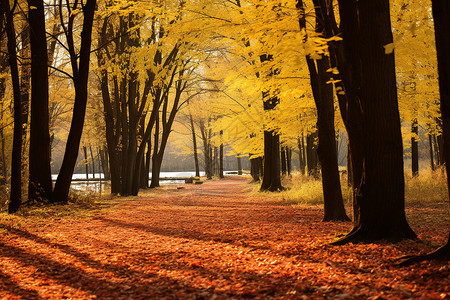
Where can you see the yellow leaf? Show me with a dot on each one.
(389, 48)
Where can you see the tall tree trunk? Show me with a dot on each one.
(430, 144)
(414, 148)
(15, 199)
(333, 203)
(194, 146)
(3, 168)
(441, 11)
(80, 76)
(25, 77)
(93, 162)
(301, 154)
(155, 159)
(221, 155)
(311, 155)
(147, 162)
(327, 153)
(40, 178)
(86, 164)
(254, 169)
(379, 204)
(289, 160)
(283, 161)
(272, 174)
(239, 164)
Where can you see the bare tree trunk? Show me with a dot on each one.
(86, 163)
(80, 68)
(283, 161)
(40, 179)
(414, 148)
(430, 144)
(239, 165)
(221, 156)
(15, 199)
(379, 203)
(93, 162)
(194, 145)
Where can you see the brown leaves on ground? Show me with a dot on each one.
(210, 241)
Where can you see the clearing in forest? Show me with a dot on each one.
(212, 241)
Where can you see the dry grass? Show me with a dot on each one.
(429, 186)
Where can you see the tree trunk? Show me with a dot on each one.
(283, 161)
(15, 199)
(155, 163)
(288, 160)
(272, 174)
(333, 203)
(301, 154)
(440, 150)
(239, 164)
(194, 146)
(254, 169)
(379, 203)
(221, 156)
(25, 77)
(311, 155)
(441, 11)
(147, 162)
(93, 162)
(40, 178)
(3, 168)
(81, 75)
(414, 148)
(86, 163)
(327, 152)
(430, 143)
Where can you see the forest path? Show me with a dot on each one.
(211, 241)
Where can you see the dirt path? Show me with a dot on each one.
(210, 241)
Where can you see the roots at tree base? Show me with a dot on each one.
(366, 234)
(442, 253)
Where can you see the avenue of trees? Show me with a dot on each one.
(263, 78)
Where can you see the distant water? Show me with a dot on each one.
(102, 187)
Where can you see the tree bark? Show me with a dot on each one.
(414, 148)
(40, 179)
(327, 152)
(272, 174)
(430, 144)
(221, 156)
(441, 11)
(15, 199)
(86, 163)
(379, 205)
(283, 161)
(239, 164)
(311, 155)
(80, 78)
(194, 146)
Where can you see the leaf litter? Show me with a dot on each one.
(210, 241)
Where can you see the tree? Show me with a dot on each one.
(16, 161)
(323, 96)
(80, 74)
(379, 200)
(441, 11)
(40, 180)
(272, 174)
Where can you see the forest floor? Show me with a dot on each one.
(217, 240)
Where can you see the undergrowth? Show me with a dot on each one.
(429, 186)
(79, 205)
